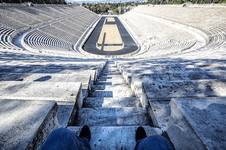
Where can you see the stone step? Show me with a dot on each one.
(53, 67)
(200, 121)
(110, 73)
(191, 75)
(103, 93)
(160, 113)
(66, 94)
(84, 78)
(101, 87)
(169, 68)
(112, 116)
(185, 88)
(123, 86)
(24, 124)
(102, 83)
(115, 137)
(110, 69)
(104, 78)
(110, 66)
(93, 102)
(113, 81)
(111, 78)
(115, 92)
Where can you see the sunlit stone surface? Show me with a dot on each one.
(161, 67)
(26, 123)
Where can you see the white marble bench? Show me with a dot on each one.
(68, 95)
(24, 124)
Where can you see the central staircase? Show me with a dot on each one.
(113, 112)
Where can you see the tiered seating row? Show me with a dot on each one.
(179, 94)
(212, 22)
(51, 27)
(68, 30)
(39, 40)
(13, 13)
(59, 33)
(38, 97)
(157, 39)
(165, 48)
(5, 38)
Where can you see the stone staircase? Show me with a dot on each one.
(113, 112)
(35, 99)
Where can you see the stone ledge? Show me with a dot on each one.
(200, 121)
(26, 123)
(68, 95)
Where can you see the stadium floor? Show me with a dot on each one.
(129, 44)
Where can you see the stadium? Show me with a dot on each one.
(161, 67)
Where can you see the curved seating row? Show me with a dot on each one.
(50, 27)
(156, 38)
(5, 41)
(212, 22)
(182, 88)
(163, 83)
(39, 40)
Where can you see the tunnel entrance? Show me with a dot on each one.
(110, 38)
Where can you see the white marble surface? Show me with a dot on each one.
(66, 94)
(25, 123)
(203, 119)
(115, 137)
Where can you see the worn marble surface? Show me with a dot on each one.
(83, 76)
(205, 118)
(66, 94)
(165, 88)
(113, 116)
(25, 123)
(58, 91)
(161, 113)
(115, 137)
(111, 102)
(185, 88)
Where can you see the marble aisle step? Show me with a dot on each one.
(115, 79)
(123, 86)
(112, 93)
(93, 102)
(115, 137)
(110, 68)
(113, 116)
(110, 73)
(104, 78)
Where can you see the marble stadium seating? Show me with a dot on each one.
(174, 84)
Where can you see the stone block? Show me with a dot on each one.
(24, 124)
(184, 88)
(198, 123)
(68, 95)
